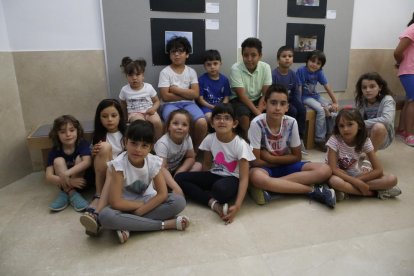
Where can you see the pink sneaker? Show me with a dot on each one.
(409, 140)
(401, 134)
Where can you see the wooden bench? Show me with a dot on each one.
(309, 139)
(38, 139)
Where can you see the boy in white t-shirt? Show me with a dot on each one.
(178, 84)
(278, 167)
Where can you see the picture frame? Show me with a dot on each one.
(163, 29)
(307, 8)
(304, 38)
(195, 6)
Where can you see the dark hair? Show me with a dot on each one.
(252, 42)
(316, 54)
(283, 49)
(276, 88)
(211, 55)
(141, 130)
(384, 90)
(175, 112)
(130, 66)
(227, 108)
(179, 42)
(411, 21)
(99, 133)
(353, 114)
(58, 123)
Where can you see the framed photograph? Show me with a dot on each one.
(198, 6)
(163, 29)
(304, 38)
(307, 8)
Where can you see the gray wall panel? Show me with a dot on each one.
(127, 32)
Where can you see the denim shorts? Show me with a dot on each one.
(283, 170)
(407, 82)
(191, 107)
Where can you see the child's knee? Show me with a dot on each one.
(59, 161)
(201, 123)
(378, 128)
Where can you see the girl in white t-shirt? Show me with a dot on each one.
(348, 142)
(225, 167)
(138, 196)
(107, 141)
(139, 99)
(176, 149)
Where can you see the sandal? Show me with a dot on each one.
(89, 220)
(225, 209)
(123, 235)
(179, 222)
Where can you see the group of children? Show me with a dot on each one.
(142, 176)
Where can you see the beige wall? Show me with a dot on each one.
(368, 60)
(14, 161)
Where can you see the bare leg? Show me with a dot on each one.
(104, 155)
(378, 135)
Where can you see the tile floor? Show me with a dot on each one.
(289, 236)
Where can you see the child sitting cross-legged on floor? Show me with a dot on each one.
(348, 142)
(278, 167)
(138, 196)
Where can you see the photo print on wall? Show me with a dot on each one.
(304, 38)
(163, 29)
(307, 8)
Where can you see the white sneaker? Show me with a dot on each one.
(389, 193)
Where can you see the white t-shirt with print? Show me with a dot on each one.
(278, 144)
(174, 153)
(138, 100)
(346, 156)
(115, 139)
(226, 156)
(138, 180)
(184, 80)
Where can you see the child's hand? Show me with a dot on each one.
(178, 191)
(231, 214)
(64, 181)
(150, 111)
(96, 148)
(77, 182)
(138, 211)
(335, 107)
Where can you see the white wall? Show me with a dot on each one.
(4, 39)
(246, 20)
(43, 25)
(377, 24)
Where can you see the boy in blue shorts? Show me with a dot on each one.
(249, 80)
(276, 145)
(179, 88)
(214, 86)
(282, 74)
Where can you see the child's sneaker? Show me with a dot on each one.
(341, 196)
(324, 195)
(389, 193)
(89, 220)
(366, 166)
(123, 235)
(60, 203)
(409, 140)
(302, 148)
(321, 145)
(401, 134)
(78, 202)
(259, 196)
